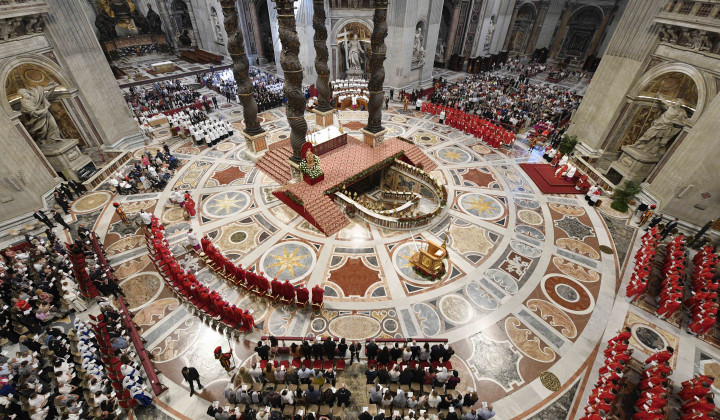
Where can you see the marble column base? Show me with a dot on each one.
(295, 174)
(65, 157)
(633, 165)
(256, 146)
(324, 119)
(373, 139)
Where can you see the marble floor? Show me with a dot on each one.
(528, 296)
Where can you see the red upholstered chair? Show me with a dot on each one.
(300, 305)
(285, 363)
(328, 364)
(307, 363)
(435, 365)
(263, 364)
(317, 364)
(448, 365)
(424, 364)
(296, 362)
(412, 364)
(340, 364)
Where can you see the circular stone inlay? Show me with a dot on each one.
(481, 205)
(318, 324)
(567, 292)
(90, 202)
(226, 203)
(649, 338)
(390, 325)
(455, 309)
(290, 260)
(550, 381)
(140, 289)
(530, 217)
(354, 327)
(238, 237)
(453, 155)
(584, 302)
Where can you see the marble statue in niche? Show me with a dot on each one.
(440, 52)
(418, 49)
(216, 23)
(491, 32)
(39, 122)
(105, 25)
(141, 22)
(154, 21)
(655, 140)
(355, 53)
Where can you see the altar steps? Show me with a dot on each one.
(274, 162)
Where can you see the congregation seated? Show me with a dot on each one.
(161, 97)
(267, 88)
(38, 286)
(151, 173)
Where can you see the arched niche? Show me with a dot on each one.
(581, 29)
(348, 28)
(671, 82)
(522, 28)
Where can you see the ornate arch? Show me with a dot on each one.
(337, 27)
(48, 65)
(583, 8)
(705, 86)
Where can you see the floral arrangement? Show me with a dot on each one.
(294, 198)
(439, 275)
(313, 172)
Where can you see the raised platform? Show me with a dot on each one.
(342, 167)
(543, 175)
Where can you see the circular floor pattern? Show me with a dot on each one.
(469, 305)
(288, 261)
(453, 155)
(481, 205)
(91, 202)
(226, 204)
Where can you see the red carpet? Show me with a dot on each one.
(543, 175)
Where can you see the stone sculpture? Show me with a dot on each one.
(440, 52)
(321, 57)
(39, 122)
(236, 49)
(154, 21)
(418, 49)
(105, 25)
(377, 69)
(655, 140)
(141, 22)
(293, 72)
(354, 51)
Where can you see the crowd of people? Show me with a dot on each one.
(411, 381)
(267, 88)
(164, 96)
(492, 134)
(644, 258)
(61, 375)
(506, 99)
(151, 173)
(702, 301)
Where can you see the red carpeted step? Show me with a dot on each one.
(543, 175)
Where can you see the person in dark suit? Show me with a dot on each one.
(191, 374)
(59, 219)
(668, 228)
(41, 216)
(263, 350)
(355, 348)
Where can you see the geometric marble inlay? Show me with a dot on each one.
(494, 361)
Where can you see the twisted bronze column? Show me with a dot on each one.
(292, 69)
(377, 70)
(321, 57)
(236, 48)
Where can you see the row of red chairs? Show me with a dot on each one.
(87, 288)
(258, 284)
(112, 363)
(186, 286)
(702, 302)
(672, 277)
(644, 258)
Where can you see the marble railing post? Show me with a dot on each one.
(377, 69)
(292, 70)
(321, 57)
(236, 49)
(450, 43)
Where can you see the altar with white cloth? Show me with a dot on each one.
(163, 67)
(327, 139)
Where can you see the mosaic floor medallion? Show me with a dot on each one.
(226, 203)
(91, 202)
(288, 260)
(453, 155)
(481, 205)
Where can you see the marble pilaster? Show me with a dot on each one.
(609, 13)
(562, 30)
(256, 32)
(450, 42)
(537, 26)
(508, 36)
